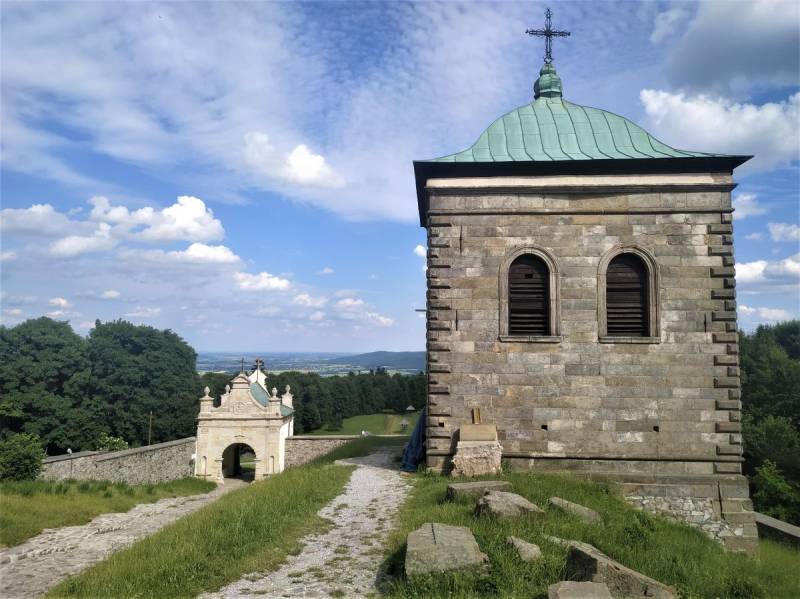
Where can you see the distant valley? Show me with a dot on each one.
(324, 363)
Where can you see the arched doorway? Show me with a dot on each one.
(239, 461)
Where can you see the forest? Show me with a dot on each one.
(67, 391)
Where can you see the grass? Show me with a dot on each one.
(248, 530)
(377, 424)
(669, 552)
(28, 507)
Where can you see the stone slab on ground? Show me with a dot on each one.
(505, 505)
(587, 563)
(476, 488)
(584, 513)
(29, 569)
(347, 560)
(578, 590)
(527, 552)
(436, 547)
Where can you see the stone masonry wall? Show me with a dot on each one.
(668, 406)
(302, 449)
(142, 465)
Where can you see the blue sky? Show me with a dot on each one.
(241, 172)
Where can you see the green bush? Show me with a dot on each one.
(21, 457)
(774, 495)
(106, 442)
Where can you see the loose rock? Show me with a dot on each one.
(527, 552)
(476, 489)
(578, 590)
(436, 547)
(505, 505)
(587, 563)
(584, 513)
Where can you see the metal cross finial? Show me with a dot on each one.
(242, 370)
(259, 363)
(548, 33)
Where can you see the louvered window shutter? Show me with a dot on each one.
(626, 297)
(528, 297)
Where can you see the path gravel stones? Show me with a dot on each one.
(346, 560)
(29, 569)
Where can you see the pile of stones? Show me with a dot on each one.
(589, 574)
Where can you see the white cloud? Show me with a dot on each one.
(349, 303)
(779, 276)
(746, 204)
(421, 251)
(317, 316)
(8, 256)
(667, 22)
(753, 236)
(143, 312)
(304, 167)
(763, 314)
(110, 294)
(306, 300)
(74, 245)
(784, 232)
(200, 253)
(14, 312)
(262, 281)
(378, 319)
(326, 271)
(750, 272)
(41, 219)
(56, 314)
(702, 123)
(59, 302)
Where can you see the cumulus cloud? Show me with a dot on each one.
(110, 294)
(143, 312)
(763, 314)
(739, 47)
(712, 124)
(421, 251)
(784, 232)
(326, 271)
(8, 256)
(304, 167)
(317, 316)
(262, 281)
(753, 236)
(15, 312)
(41, 219)
(763, 275)
(349, 303)
(309, 301)
(200, 253)
(746, 204)
(378, 319)
(74, 245)
(59, 302)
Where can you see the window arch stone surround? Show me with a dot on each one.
(653, 295)
(554, 292)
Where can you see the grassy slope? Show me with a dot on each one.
(27, 508)
(669, 552)
(377, 424)
(248, 530)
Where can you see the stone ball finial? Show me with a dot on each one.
(288, 388)
(227, 388)
(274, 392)
(206, 390)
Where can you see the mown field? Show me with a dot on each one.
(377, 424)
(672, 553)
(28, 507)
(252, 529)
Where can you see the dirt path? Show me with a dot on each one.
(346, 560)
(29, 569)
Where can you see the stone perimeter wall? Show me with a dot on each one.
(304, 448)
(157, 463)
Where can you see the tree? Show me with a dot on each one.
(21, 457)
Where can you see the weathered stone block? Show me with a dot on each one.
(570, 589)
(584, 513)
(527, 552)
(476, 489)
(435, 547)
(477, 458)
(587, 563)
(501, 504)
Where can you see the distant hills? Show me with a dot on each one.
(391, 360)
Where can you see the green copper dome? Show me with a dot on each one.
(551, 129)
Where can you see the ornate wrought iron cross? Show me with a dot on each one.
(548, 33)
(259, 363)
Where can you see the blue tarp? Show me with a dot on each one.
(414, 453)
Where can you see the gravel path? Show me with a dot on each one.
(29, 569)
(346, 560)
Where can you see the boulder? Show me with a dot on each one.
(527, 552)
(435, 547)
(476, 489)
(505, 505)
(583, 512)
(578, 590)
(587, 563)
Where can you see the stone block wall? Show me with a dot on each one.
(664, 406)
(157, 463)
(304, 448)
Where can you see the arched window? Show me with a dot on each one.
(627, 302)
(529, 297)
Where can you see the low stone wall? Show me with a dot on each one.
(142, 465)
(778, 530)
(302, 449)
